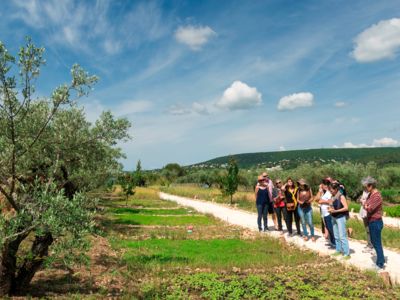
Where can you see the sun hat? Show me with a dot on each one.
(302, 181)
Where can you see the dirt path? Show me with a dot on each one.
(364, 261)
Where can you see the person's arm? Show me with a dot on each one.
(324, 201)
(256, 191)
(298, 197)
(311, 196)
(373, 202)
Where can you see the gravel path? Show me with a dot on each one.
(245, 219)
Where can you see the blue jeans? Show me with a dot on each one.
(306, 218)
(262, 210)
(375, 230)
(329, 227)
(340, 233)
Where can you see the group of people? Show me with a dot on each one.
(294, 200)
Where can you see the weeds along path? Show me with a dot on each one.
(363, 261)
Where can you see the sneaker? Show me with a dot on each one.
(337, 254)
(346, 257)
(378, 269)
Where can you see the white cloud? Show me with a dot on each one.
(240, 96)
(340, 104)
(178, 110)
(351, 145)
(194, 37)
(347, 120)
(383, 142)
(297, 100)
(380, 41)
(87, 26)
(132, 107)
(200, 108)
(94, 108)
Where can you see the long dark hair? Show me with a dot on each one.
(287, 186)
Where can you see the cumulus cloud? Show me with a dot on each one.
(194, 36)
(380, 41)
(240, 96)
(296, 100)
(383, 142)
(340, 104)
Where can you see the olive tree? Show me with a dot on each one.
(49, 155)
(230, 182)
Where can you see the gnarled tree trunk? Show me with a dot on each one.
(8, 265)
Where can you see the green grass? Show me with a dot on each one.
(128, 210)
(134, 219)
(215, 253)
(390, 236)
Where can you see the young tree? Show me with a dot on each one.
(128, 184)
(231, 181)
(139, 177)
(49, 155)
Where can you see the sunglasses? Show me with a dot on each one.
(278, 182)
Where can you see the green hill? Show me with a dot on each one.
(288, 159)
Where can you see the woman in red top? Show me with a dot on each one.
(279, 203)
(373, 206)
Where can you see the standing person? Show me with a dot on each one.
(373, 206)
(279, 204)
(290, 191)
(324, 197)
(338, 212)
(364, 216)
(271, 210)
(304, 209)
(262, 200)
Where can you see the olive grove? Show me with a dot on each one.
(49, 156)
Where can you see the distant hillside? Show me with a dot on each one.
(288, 159)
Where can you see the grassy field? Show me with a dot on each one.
(390, 236)
(213, 261)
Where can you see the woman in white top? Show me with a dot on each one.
(325, 197)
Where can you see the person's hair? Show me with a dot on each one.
(369, 181)
(278, 180)
(304, 187)
(287, 180)
(326, 182)
(335, 186)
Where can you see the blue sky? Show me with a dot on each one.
(201, 79)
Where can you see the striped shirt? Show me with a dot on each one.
(374, 207)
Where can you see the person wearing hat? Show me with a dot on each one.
(271, 210)
(304, 209)
(373, 206)
(279, 204)
(263, 199)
